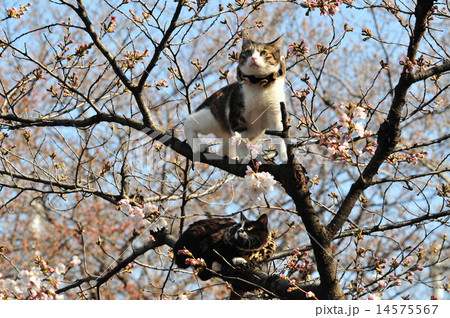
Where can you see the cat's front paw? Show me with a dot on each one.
(239, 261)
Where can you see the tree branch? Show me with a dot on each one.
(389, 131)
(366, 231)
(160, 48)
(245, 279)
(89, 28)
(161, 238)
(67, 187)
(136, 90)
(439, 69)
(416, 176)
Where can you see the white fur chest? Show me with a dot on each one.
(262, 105)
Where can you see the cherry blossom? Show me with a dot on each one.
(132, 58)
(125, 205)
(158, 225)
(326, 7)
(340, 142)
(149, 209)
(374, 297)
(236, 139)
(382, 284)
(360, 112)
(345, 120)
(109, 28)
(255, 149)
(75, 261)
(310, 294)
(397, 158)
(259, 182)
(17, 14)
(359, 129)
(38, 282)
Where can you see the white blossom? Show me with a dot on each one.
(137, 212)
(149, 209)
(75, 261)
(359, 129)
(158, 225)
(34, 284)
(259, 182)
(60, 269)
(236, 139)
(126, 206)
(255, 149)
(344, 119)
(267, 180)
(374, 297)
(360, 112)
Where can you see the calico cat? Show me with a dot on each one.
(223, 242)
(249, 106)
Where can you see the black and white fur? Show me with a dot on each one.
(250, 106)
(222, 242)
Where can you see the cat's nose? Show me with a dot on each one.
(254, 59)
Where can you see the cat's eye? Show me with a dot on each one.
(249, 228)
(263, 53)
(247, 53)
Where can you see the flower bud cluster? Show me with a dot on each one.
(326, 7)
(297, 49)
(340, 142)
(396, 158)
(147, 214)
(17, 13)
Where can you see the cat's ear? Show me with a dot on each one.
(263, 219)
(277, 42)
(243, 218)
(246, 40)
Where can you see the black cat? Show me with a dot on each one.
(223, 242)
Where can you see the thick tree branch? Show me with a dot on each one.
(243, 279)
(439, 69)
(181, 147)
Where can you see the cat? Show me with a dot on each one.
(249, 106)
(222, 242)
